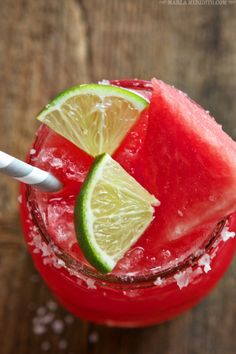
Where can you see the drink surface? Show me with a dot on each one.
(152, 253)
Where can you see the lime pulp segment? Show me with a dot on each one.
(112, 211)
(94, 117)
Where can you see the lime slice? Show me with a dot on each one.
(94, 117)
(112, 211)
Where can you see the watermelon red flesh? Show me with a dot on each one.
(190, 165)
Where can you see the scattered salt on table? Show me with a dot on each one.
(52, 305)
(41, 311)
(58, 326)
(62, 344)
(45, 346)
(93, 337)
(38, 329)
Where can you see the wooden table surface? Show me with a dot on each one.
(48, 45)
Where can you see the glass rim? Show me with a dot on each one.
(76, 267)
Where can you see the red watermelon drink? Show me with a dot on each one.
(177, 153)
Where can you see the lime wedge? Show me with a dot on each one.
(94, 117)
(112, 211)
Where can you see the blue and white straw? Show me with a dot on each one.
(28, 174)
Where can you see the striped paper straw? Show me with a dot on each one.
(28, 174)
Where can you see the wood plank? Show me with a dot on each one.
(46, 46)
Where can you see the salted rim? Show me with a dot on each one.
(77, 266)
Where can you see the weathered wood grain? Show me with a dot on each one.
(46, 46)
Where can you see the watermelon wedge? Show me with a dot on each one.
(190, 165)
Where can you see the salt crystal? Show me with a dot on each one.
(205, 261)
(41, 311)
(93, 337)
(20, 199)
(132, 293)
(78, 281)
(158, 281)
(47, 261)
(91, 284)
(56, 162)
(45, 250)
(62, 344)
(69, 319)
(39, 329)
(58, 326)
(47, 154)
(60, 263)
(55, 249)
(62, 232)
(48, 318)
(199, 252)
(52, 305)
(226, 234)
(214, 253)
(45, 346)
(197, 271)
(180, 213)
(183, 278)
(32, 151)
